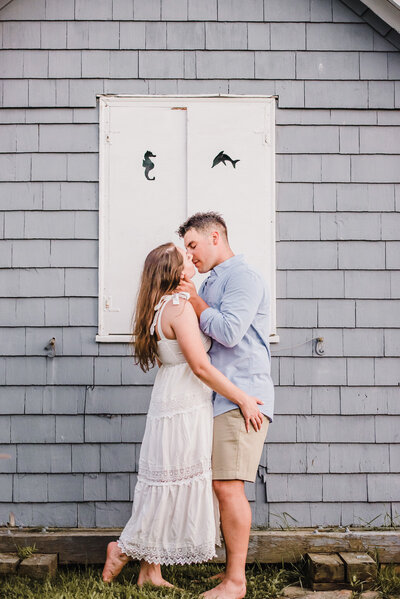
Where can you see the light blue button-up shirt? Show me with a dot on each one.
(238, 322)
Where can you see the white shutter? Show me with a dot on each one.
(137, 214)
(242, 194)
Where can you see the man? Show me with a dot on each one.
(232, 306)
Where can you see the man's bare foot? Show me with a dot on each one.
(115, 561)
(226, 590)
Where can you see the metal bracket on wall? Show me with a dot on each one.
(51, 348)
(319, 346)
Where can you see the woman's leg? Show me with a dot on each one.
(151, 573)
(115, 561)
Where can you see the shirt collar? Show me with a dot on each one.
(226, 264)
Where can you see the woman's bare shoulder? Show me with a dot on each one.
(184, 308)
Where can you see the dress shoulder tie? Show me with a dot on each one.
(163, 300)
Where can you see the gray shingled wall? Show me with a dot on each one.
(73, 423)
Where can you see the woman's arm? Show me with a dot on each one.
(186, 328)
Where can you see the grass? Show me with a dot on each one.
(263, 582)
(388, 582)
(25, 552)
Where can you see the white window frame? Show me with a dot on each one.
(105, 101)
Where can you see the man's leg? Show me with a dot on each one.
(235, 522)
(236, 455)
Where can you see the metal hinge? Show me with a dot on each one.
(108, 305)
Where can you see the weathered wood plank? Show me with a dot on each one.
(359, 566)
(88, 546)
(8, 563)
(325, 572)
(272, 546)
(39, 565)
(325, 567)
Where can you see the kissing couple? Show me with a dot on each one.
(210, 408)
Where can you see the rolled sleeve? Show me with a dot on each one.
(239, 305)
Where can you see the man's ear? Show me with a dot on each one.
(215, 237)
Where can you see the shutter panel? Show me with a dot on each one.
(137, 214)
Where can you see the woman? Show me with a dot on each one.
(175, 516)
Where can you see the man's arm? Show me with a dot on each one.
(239, 305)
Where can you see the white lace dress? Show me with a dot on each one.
(175, 516)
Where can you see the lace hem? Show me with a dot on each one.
(174, 475)
(169, 556)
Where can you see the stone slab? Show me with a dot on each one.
(296, 592)
(329, 586)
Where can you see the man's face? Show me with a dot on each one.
(202, 249)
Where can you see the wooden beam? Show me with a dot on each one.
(88, 545)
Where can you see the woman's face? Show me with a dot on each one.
(188, 267)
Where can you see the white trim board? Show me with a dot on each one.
(202, 123)
(387, 10)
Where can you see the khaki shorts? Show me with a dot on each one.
(236, 453)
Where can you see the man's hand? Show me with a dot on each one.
(187, 285)
(251, 413)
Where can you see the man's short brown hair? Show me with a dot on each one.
(202, 221)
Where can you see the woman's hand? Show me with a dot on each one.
(251, 413)
(187, 285)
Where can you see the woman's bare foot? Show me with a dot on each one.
(151, 574)
(115, 561)
(226, 590)
(220, 576)
(159, 582)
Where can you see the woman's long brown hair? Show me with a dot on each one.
(161, 275)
